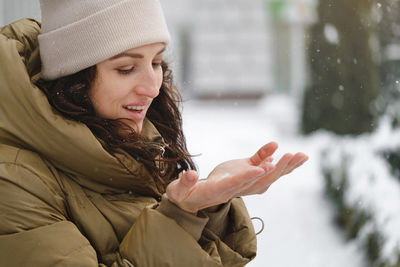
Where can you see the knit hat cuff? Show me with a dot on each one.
(109, 32)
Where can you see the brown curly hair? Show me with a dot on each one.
(69, 95)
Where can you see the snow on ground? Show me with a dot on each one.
(299, 231)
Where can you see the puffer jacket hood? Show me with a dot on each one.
(28, 121)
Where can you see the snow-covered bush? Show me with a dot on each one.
(361, 175)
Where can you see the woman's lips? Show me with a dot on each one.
(135, 108)
(136, 113)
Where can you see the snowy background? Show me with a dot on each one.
(299, 229)
(266, 61)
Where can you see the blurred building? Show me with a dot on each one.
(240, 48)
(223, 47)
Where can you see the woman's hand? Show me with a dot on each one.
(232, 178)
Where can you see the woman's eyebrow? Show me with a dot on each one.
(134, 55)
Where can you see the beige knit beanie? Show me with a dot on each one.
(77, 34)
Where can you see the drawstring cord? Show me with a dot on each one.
(262, 224)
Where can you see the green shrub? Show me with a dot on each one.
(356, 221)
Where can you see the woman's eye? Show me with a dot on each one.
(125, 71)
(156, 64)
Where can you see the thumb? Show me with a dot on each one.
(188, 179)
(178, 189)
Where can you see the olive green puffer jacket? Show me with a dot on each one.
(65, 201)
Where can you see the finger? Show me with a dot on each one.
(269, 176)
(278, 171)
(295, 159)
(295, 167)
(279, 168)
(263, 153)
(283, 162)
(296, 162)
(267, 166)
(256, 183)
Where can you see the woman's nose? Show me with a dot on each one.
(150, 82)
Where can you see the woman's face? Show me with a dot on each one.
(127, 83)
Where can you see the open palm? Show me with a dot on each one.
(232, 178)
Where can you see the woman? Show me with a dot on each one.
(94, 169)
